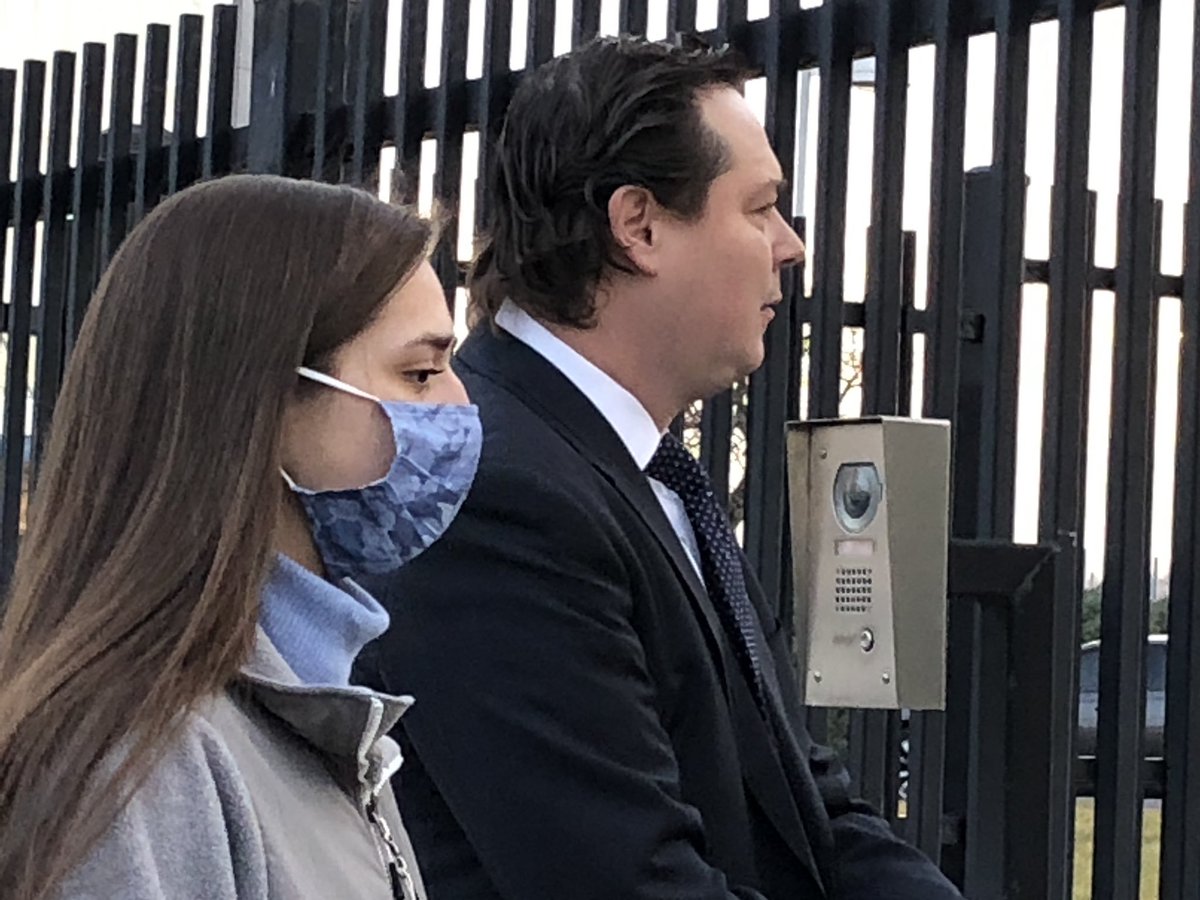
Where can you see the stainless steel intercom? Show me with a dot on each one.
(870, 536)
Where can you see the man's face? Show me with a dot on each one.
(720, 274)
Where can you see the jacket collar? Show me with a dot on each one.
(624, 412)
(511, 364)
(346, 723)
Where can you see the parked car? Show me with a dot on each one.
(1156, 695)
(1089, 703)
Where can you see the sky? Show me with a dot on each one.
(36, 28)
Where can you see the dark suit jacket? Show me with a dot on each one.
(582, 729)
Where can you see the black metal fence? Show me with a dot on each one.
(991, 783)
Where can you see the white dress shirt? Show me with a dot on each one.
(621, 410)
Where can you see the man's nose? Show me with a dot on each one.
(789, 249)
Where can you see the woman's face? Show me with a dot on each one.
(333, 440)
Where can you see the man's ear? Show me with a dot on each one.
(635, 219)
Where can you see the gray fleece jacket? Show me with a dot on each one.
(273, 790)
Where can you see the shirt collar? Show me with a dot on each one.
(623, 412)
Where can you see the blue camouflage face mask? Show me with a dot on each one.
(377, 528)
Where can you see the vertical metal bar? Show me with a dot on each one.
(1035, 867)
(927, 735)
(1180, 864)
(299, 95)
(497, 82)
(26, 206)
(890, 807)
(716, 433)
(681, 16)
(633, 17)
(817, 719)
(991, 313)
(8, 99)
(1061, 510)
(732, 13)
(271, 85)
(330, 33)
(975, 428)
(884, 257)
(539, 47)
(330, 94)
(585, 21)
(874, 759)
(797, 342)
(409, 113)
(926, 757)
(825, 353)
(986, 822)
(154, 106)
(184, 165)
(218, 141)
(949, 734)
(768, 395)
(1116, 857)
(369, 96)
(56, 198)
(451, 123)
(946, 209)
(347, 45)
(85, 196)
(998, 475)
(1064, 423)
(118, 162)
(368, 93)
(908, 286)
(917, 729)
(868, 756)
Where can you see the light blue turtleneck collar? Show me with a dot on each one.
(318, 627)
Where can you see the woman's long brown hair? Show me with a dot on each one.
(136, 588)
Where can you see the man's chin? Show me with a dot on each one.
(754, 361)
(735, 373)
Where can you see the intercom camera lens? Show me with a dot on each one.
(856, 503)
(857, 493)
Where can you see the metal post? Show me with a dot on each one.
(283, 84)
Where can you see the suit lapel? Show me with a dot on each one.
(762, 769)
(764, 776)
(525, 373)
(637, 491)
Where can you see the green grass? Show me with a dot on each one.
(1085, 812)
(1151, 832)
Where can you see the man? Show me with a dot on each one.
(605, 708)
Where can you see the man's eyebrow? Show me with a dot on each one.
(780, 185)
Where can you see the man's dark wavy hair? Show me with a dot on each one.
(615, 112)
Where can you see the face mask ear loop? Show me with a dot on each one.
(330, 381)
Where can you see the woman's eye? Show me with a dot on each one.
(422, 376)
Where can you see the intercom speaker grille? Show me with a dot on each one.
(853, 589)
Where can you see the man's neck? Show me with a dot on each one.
(623, 362)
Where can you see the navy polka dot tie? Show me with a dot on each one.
(720, 557)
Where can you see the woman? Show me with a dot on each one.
(258, 409)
